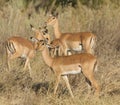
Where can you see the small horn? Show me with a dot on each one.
(56, 14)
(31, 25)
(40, 28)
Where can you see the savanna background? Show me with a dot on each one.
(102, 17)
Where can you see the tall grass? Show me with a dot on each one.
(17, 88)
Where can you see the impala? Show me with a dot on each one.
(73, 41)
(62, 66)
(40, 33)
(20, 47)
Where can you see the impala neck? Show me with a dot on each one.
(56, 30)
(46, 56)
(35, 46)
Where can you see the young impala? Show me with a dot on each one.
(73, 41)
(20, 47)
(62, 66)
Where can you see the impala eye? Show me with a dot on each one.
(43, 43)
(47, 39)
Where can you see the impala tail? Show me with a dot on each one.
(10, 47)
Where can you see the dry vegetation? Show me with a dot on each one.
(16, 86)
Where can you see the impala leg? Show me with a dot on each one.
(54, 52)
(56, 84)
(65, 52)
(94, 84)
(59, 51)
(10, 57)
(29, 67)
(89, 86)
(97, 87)
(90, 50)
(26, 63)
(68, 85)
(88, 47)
(8, 63)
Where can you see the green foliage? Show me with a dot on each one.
(50, 5)
(26, 3)
(92, 3)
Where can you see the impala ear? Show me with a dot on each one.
(40, 28)
(31, 25)
(56, 15)
(33, 39)
(43, 33)
(52, 13)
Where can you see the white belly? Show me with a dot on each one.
(71, 72)
(71, 69)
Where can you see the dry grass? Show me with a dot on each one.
(17, 88)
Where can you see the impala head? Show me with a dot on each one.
(39, 33)
(42, 39)
(52, 19)
(41, 44)
(55, 42)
